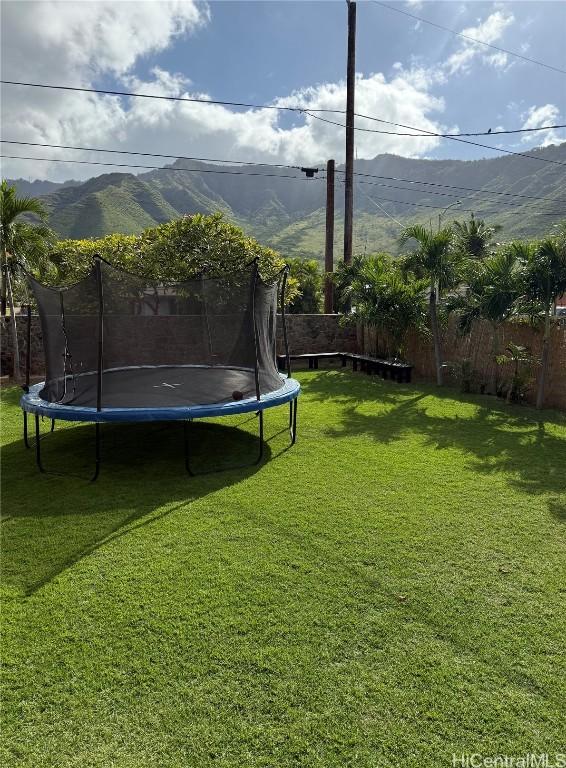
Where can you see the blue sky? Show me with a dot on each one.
(276, 52)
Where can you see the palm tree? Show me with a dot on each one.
(474, 238)
(493, 287)
(519, 357)
(384, 299)
(545, 281)
(436, 261)
(309, 278)
(21, 243)
(343, 278)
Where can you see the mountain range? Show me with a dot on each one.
(285, 210)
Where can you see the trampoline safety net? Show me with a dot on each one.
(118, 340)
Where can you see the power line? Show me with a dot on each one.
(440, 207)
(275, 165)
(267, 165)
(445, 194)
(156, 167)
(431, 133)
(437, 135)
(148, 154)
(301, 110)
(244, 173)
(189, 99)
(467, 210)
(425, 205)
(472, 39)
(381, 208)
(452, 186)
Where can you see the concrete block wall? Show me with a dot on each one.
(306, 333)
(317, 333)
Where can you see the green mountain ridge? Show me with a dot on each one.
(289, 214)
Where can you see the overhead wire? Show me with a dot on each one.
(444, 194)
(156, 167)
(469, 38)
(426, 133)
(381, 208)
(440, 207)
(245, 173)
(296, 109)
(453, 186)
(148, 154)
(436, 135)
(273, 165)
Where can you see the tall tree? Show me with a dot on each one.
(545, 281)
(21, 242)
(435, 260)
(474, 239)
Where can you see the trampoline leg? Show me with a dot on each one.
(26, 430)
(38, 445)
(293, 420)
(187, 451)
(96, 453)
(26, 439)
(260, 454)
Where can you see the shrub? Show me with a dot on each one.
(172, 252)
(385, 299)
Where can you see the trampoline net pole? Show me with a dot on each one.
(284, 320)
(254, 320)
(100, 332)
(203, 290)
(28, 350)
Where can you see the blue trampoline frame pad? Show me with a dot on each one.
(31, 402)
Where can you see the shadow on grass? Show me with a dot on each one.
(497, 437)
(558, 509)
(51, 521)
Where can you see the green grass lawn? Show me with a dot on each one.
(385, 593)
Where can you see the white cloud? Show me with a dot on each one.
(76, 43)
(405, 99)
(47, 42)
(85, 38)
(490, 31)
(535, 117)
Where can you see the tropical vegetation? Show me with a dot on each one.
(309, 295)
(463, 272)
(491, 289)
(24, 244)
(544, 282)
(178, 250)
(520, 361)
(434, 260)
(388, 301)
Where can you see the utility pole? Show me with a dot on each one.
(329, 246)
(350, 92)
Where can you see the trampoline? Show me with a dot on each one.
(122, 348)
